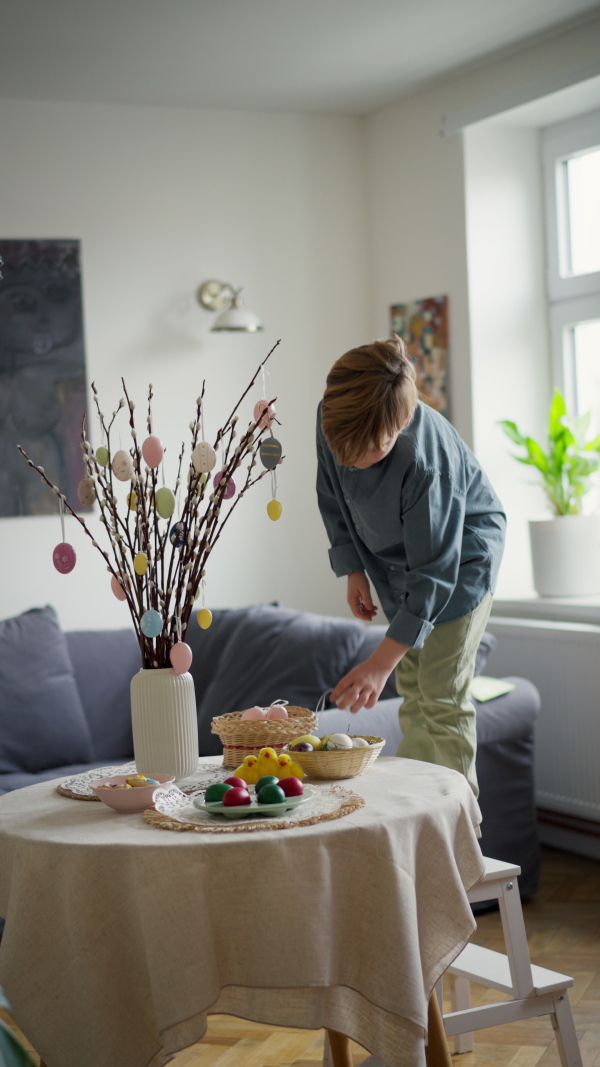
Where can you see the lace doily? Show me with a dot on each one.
(78, 787)
(174, 810)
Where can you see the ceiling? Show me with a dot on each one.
(342, 56)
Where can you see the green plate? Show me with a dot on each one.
(254, 808)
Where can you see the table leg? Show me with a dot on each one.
(437, 1053)
(339, 1045)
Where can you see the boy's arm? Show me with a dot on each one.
(343, 555)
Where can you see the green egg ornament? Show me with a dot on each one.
(165, 502)
(102, 456)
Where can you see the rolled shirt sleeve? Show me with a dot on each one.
(433, 533)
(343, 555)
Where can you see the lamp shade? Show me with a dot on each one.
(238, 318)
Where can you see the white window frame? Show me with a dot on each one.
(564, 315)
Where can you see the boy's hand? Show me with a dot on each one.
(362, 686)
(359, 596)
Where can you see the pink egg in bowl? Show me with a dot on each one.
(128, 801)
(276, 711)
(253, 713)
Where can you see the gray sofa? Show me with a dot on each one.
(64, 703)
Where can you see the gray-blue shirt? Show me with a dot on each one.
(424, 523)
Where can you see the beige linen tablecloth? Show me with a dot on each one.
(120, 938)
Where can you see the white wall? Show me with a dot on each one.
(162, 200)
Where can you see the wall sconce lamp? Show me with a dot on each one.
(235, 316)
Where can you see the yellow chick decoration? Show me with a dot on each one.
(286, 768)
(267, 762)
(248, 772)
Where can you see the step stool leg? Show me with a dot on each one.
(326, 1051)
(439, 992)
(564, 1027)
(461, 1000)
(515, 937)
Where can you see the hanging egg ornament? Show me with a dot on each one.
(270, 453)
(274, 510)
(117, 588)
(102, 456)
(86, 491)
(153, 451)
(204, 457)
(165, 502)
(204, 618)
(122, 466)
(140, 563)
(229, 485)
(177, 534)
(64, 557)
(264, 414)
(132, 500)
(181, 657)
(151, 623)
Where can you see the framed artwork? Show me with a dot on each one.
(423, 326)
(42, 373)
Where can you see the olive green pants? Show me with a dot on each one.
(437, 716)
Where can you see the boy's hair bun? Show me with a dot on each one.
(371, 394)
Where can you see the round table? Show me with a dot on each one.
(120, 937)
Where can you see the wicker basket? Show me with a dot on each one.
(241, 739)
(344, 763)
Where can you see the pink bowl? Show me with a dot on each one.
(128, 801)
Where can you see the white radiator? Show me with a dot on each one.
(563, 661)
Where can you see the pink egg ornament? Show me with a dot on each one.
(264, 413)
(277, 712)
(64, 557)
(229, 485)
(181, 657)
(117, 589)
(153, 451)
(253, 713)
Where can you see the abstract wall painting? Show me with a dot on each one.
(42, 373)
(423, 326)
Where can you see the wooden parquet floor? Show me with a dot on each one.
(563, 928)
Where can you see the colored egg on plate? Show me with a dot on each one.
(117, 588)
(204, 457)
(236, 797)
(153, 451)
(181, 657)
(64, 557)
(102, 456)
(151, 623)
(292, 787)
(264, 413)
(216, 792)
(86, 491)
(271, 794)
(165, 502)
(270, 453)
(274, 510)
(140, 563)
(122, 466)
(238, 783)
(267, 779)
(204, 618)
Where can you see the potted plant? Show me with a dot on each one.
(565, 549)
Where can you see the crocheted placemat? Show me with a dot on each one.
(78, 787)
(175, 811)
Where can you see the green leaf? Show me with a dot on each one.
(510, 429)
(558, 408)
(593, 446)
(12, 1053)
(536, 453)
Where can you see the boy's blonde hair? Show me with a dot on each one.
(370, 395)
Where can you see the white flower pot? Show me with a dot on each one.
(565, 553)
(165, 726)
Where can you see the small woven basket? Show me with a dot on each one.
(344, 763)
(241, 739)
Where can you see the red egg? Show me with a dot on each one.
(235, 798)
(237, 783)
(292, 787)
(64, 558)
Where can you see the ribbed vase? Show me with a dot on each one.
(165, 726)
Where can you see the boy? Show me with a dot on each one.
(406, 504)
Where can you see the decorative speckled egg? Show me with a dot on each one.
(132, 500)
(153, 451)
(274, 510)
(270, 453)
(181, 657)
(140, 563)
(277, 712)
(338, 742)
(177, 534)
(165, 502)
(229, 487)
(122, 466)
(117, 589)
(64, 557)
(102, 456)
(151, 623)
(204, 457)
(86, 491)
(264, 412)
(204, 618)
(253, 714)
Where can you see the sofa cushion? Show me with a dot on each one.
(104, 663)
(42, 723)
(20, 779)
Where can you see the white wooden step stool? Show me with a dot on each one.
(535, 990)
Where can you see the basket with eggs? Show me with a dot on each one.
(335, 756)
(245, 733)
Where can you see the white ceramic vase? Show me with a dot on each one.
(565, 553)
(165, 726)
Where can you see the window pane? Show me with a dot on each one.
(586, 346)
(583, 183)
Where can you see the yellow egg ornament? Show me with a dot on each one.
(140, 563)
(204, 618)
(132, 500)
(274, 510)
